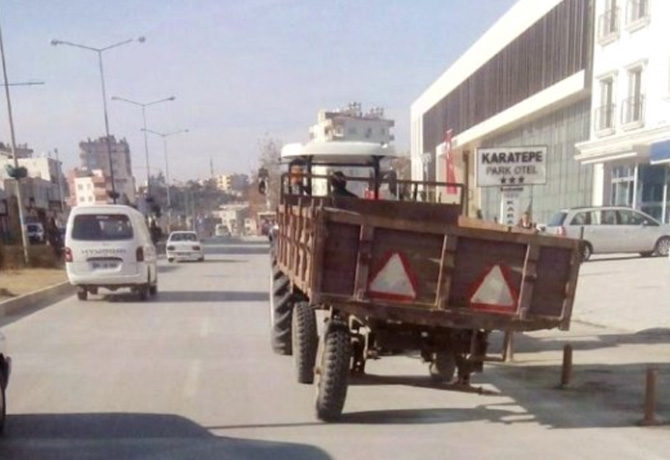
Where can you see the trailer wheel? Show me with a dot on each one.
(281, 304)
(304, 341)
(443, 367)
(82, 293)
(332, 373)
(3, 402)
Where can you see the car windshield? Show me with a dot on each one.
(557, 219)
(102, 227)
(183, 237)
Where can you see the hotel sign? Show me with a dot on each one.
(511, 166)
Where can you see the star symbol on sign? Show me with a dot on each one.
(521, 179)
(503, 180)
(512, 180)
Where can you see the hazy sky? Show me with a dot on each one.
(239, 69)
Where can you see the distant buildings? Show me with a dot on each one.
(87, 187)
(231, 182)
(94, 156)
(351, 124)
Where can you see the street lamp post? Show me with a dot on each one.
(113, 195)
(144, 105)
(19, 195)
(167, 167)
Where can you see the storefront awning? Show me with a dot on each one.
(659, 152)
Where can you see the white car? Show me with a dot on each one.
(184, 246)
(5, 370)
(109, 246)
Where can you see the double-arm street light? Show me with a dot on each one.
(144, 105)
(167, 166)
(114, 195)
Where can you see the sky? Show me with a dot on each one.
(240, 70)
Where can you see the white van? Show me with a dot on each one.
(109, 246)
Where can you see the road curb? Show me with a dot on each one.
(39, 298)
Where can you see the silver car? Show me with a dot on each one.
(612, 229)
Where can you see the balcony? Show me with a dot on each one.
(632, 112)
(608, 26)
(604, 119)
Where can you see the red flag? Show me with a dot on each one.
(449, 163)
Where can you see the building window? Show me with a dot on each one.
(351, 131)
(608, 23)
(623, 185)
(637, 14)
(80, 187)
(633, 106)
(605, 112)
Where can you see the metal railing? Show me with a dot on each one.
(604, 117)
(632, 110)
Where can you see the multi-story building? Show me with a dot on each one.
(628, 142)
(231, 182)
(22, 150)
(87, 187)
(94, 155)
(525, 82)
(351, 124)
(41, 192)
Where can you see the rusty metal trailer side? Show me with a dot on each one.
(330, 249)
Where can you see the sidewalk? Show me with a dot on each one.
(629, 293)
(14, 283)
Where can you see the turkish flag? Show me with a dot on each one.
(449, 163)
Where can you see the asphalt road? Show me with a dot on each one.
(190, 375)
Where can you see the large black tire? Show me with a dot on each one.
(82, 294)
(304, 340)
(587, 250)
(443, 367)
(281, 306)
(333, 373)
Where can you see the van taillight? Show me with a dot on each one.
(561, 231)
(68, 255)
(139, 254)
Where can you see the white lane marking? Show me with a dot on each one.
(204, 328)
(192, 378)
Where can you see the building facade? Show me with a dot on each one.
(630, 109)
(525, 82)
(87, 187)
(94, 156)
(232, 182)
(351, 124)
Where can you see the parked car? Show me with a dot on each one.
(109, 246)
(222, 231)
(35, 232)
(184, 246)
(5, 370)
(612, 229)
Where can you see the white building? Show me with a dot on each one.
(524, 82)
(88, 188)
(94, 156)
(351, 124)
(631, 106)
(231, 182)
(347, 125)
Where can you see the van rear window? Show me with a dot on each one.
(102, 227)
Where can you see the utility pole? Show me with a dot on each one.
(60, 182)
(19, 195)
(211, 168)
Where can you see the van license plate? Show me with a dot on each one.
(105, 265)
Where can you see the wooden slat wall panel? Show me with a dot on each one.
(422, 251)
(553, 272)
(341, 250)
(474, 257)
(549, 51)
